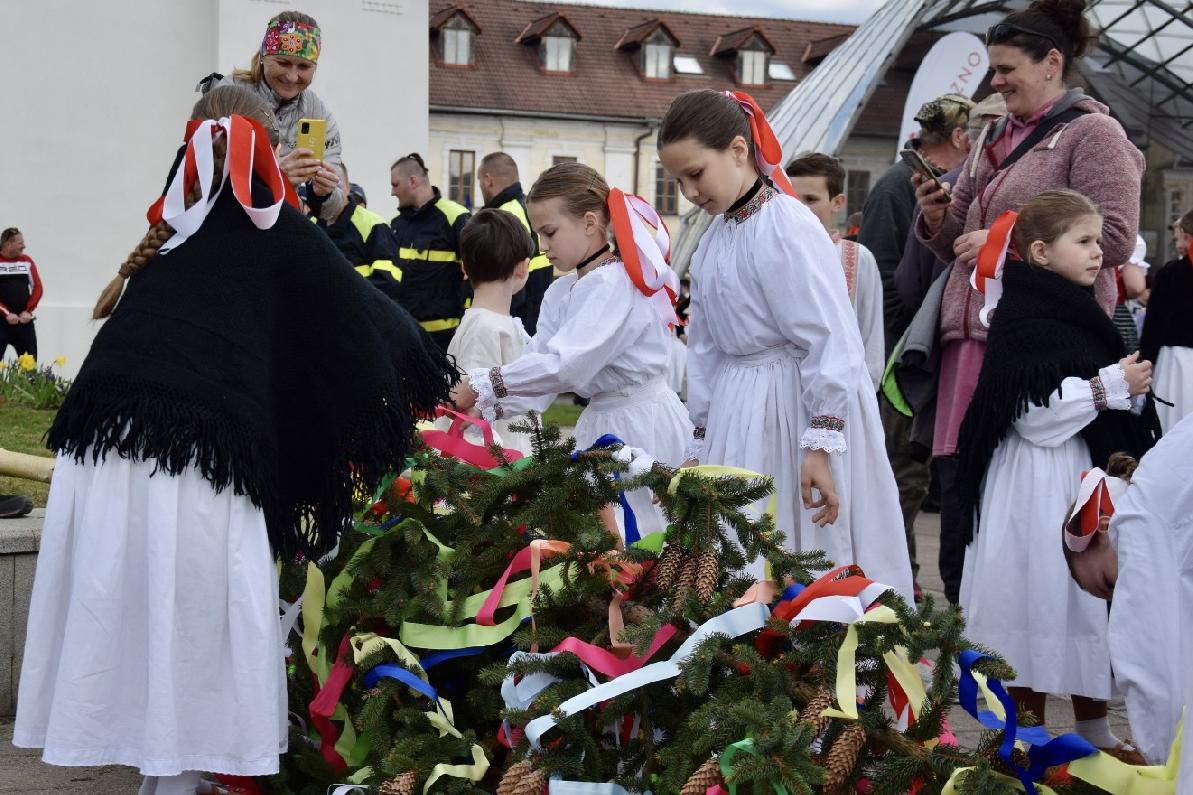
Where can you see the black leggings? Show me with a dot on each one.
(21, 337)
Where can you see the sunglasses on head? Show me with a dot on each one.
(1007, 30)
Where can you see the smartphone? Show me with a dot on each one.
(312, 133)
(919, 165)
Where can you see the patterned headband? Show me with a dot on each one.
(292, 38)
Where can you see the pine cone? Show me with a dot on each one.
(687, 578)
(401, 785)
(522, 779)
(668, 567)
(811, 712)
(707, 775)
(843, 756)
(708, 571)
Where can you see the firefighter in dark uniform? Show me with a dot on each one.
(501, 189)
(427, 228)
(365, 240)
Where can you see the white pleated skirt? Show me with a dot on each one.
(153, 637)
(1173, 382)
(1016, 590)
(650, 417)
(755, 421)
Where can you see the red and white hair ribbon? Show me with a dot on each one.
(767, 149)
(987, 273)
(248, 153)
(645, 248)
(1095, 502)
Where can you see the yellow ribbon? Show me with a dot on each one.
(717, 471)
(474, 772)
(950, 787)
(846, 662)
(313, 597)
(1118, 778)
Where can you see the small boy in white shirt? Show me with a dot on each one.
(819, 181)
(495, 252)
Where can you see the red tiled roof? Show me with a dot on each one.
(444, 16)
(738, 39)
(536, 28)
(639, 33)
(605, 81)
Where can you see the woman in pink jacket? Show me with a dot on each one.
(1052, 137)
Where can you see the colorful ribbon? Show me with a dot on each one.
(1095, 502)
(644, 245)
(768, 152)
(734, 623)
(628, 516)
(248, 153)
(726, 761)
(986, 277)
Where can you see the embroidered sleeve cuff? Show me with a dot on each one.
(1109, 388)
(823, 439)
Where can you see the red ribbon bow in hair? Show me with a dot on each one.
(1095, 502)
(767, 149)
(645, 247)
(987, 273)
(248, 153)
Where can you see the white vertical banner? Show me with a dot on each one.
(955, 65)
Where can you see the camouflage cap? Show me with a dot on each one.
(945, 113)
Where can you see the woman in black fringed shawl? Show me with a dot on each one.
(1057, 395)
(246, 381)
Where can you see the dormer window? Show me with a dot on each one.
(751, 51)
(655, 45)
(556, 39)
(456, 32)
(556, 50)
(457, 42)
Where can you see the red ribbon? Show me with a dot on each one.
(1098, 505)
(994, 251)
(841, 581)
(623, 235)
(253, 155)
(324, 705)
(767, 148)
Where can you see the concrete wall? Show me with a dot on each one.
(96, 95)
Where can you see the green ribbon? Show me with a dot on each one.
(743, 746)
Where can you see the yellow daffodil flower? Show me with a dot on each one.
(26, 362)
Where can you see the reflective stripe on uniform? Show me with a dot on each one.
(429, 255)
(514, 208)
(431, 326)
(364, 220)
(450, 209)
(388, 267)
(365, 270)
(539, 262)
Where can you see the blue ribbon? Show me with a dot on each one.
(392, 671)
(1045, 752)
(631, 521)
(792, 591)
(431, 660)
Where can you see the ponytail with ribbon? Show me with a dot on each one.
(768, 152)
(644, 245)
(1095, 502)
(987, 273)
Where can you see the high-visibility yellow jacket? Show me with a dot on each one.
(432, 288)
(367, 242)
(526, 301)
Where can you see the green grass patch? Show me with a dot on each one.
(562, 414)
(22, 430)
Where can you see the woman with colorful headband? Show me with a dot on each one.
(282, 72)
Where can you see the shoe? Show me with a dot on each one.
(1126, 752)
(14, 506)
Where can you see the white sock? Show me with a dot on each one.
(1097, 732)
(185, 783)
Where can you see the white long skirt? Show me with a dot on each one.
(1174, 383)
(650, 417)
(153, 636)
(755, 421)
(1016, 590)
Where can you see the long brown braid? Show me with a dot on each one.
(215, 104)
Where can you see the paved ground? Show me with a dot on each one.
(22, 772)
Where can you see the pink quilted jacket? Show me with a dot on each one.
(1090, 154)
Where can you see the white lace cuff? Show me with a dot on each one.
(482, 384)
(831, 441)
(1109, 388)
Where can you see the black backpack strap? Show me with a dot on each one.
(1042, 131)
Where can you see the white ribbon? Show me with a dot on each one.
(653, 243)
(186, 220)
(736, 622)
(1091, 485)
(993, 287)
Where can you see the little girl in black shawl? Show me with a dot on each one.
(1057, 394)
(247, 381)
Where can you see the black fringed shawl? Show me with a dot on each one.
(1045, 329)
(263, 359)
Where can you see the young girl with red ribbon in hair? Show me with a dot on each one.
(200, 441)
(603, 331)
(777, 379)
(1057, 395)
